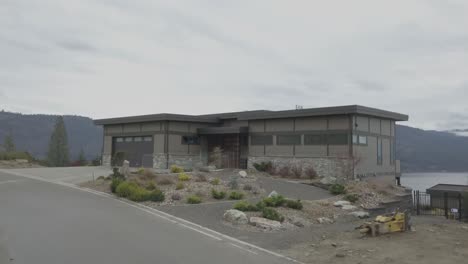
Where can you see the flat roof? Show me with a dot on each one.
(259, 114)
(449, 188)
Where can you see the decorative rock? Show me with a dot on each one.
(265, 223)
(325, 220)
(273, 193)
(235, 217)
(360, 214)
(297, 221)
(348, 207)
(341, 203)
(125, 169)
(243, 174)
(328, 180)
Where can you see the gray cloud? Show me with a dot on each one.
(75, 45)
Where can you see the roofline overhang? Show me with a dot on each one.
(222, 130)
(156, 117)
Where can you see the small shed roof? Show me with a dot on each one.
(449, 188)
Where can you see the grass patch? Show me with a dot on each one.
(184, 177)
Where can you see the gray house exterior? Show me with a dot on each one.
(344, 142)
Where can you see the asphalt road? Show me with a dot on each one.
(46, 223)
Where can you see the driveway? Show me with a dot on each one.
(45, 223)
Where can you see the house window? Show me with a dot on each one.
(355, 139)
(148, 139)
(362, 140)
(379, 151)
(337, 139)
(119, 139)
(190, 140)
(288, 140)
(128, 139)
(137, 139)
(315, 140)
(261, 140)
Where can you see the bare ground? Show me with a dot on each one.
(13, 164)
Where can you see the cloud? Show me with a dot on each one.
(74, 45)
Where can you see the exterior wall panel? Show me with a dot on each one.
(256, 126)
(338, 150)
(310, 123)
(311, 151)
(158, 140)
(129, 128)
(151, 127)
(107, 145)
(175, 145)
(386, 128)
(113, 129)
(338, 123)
(275, 125)
(375, 125)
(362, 123)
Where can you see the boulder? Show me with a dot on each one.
(360, 214)
(341, 203)
(328, 180)
(348, 207)
(298, 221)
(243, 174)
(235, 217)
(273, 193)
(265, 223)
(325, 220)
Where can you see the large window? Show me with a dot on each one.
(315, 140)
(288, 140)
(190, 140)
(362, 140)
(261, 140)
(337, 139)
(379, 151)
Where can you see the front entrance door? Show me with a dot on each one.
(230, 154)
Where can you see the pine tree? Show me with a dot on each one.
(9, 144)
(58, 145)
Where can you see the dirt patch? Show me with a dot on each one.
(21, 164)
(434, 240)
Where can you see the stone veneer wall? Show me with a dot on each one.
(106, 160)
(325, 167)
(185, 161)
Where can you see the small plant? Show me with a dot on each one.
(245, 206)
(200, 177)
(165, 181)
(176, 197)
(236, 195)
(263, 166)
(247, 187)
(141, 171)
(184, 177)
(272, 214)
(274, 201)
(115, 182)
(352, 197)
(218, 195)
(310, 173)
(125, 189)
(176, 169)
(193, 199)
(337, 189)
(151, 186)
(296, 171)
(116, 173)
(297, 205)
(156, 196)
(215, 181)
(283, 172)
(233, 183)
(180, 186)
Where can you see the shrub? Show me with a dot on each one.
(176, 196)
(272, 214)
(283, 172)
(176, 169)
(156, 196)
(184, 176)
(15, 155)
(148, 174)
(236, 195)
(310, 173)
(274, 201)
(215, 181)
(125, 189)
(352, 197)
(140, 171)
(245, 206)
(263, 166)
(151, 186)
(337, 189)
(261, 205)
(200, 177)
(115, 182)
(193, 199)
(218, 194)
(133, 192)
(116, 173)
(165, 181)
(247, 187)
(233, 183)
(180, 186)
(296, 171)
(294, 204)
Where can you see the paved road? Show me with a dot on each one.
(46, 223)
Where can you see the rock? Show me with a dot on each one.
(328, 180)
(349, 207)
(297, 221)
(360, 214)
(341, 203)
(273, 193)
(236, 217)
(325, 220)
(243, 174)
(125, 169)
(265, 223)
(340, 255)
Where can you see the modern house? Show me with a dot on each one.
(344, 141)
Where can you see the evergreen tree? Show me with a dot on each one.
(58, 145)
(9, 144)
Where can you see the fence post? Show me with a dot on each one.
(459, 207)
(446, 205)
(417, 202)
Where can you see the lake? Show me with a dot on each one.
(422, 181)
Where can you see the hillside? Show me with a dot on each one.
(32, 133)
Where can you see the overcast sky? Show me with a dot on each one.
(108, 58)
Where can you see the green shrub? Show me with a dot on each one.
(263, 166)
(176, 169)
(352, 197)
(233, 183)
(218, 195)
(125, 189)
(115, 182)
(245, 206)
(141, 171)
(236, 195)
(337, 189)
(274, 201)
(180, 186)
(156, 196)
(15, 155)
(261, 205)
(294, 204)
(193, 199)
(133, 192)
(151, 186)
(184, 176)
(215, 181)
(116, 173)
(272, 214)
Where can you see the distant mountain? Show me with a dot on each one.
(419, 150)
(32, 133)
(422, 150)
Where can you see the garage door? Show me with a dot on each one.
(137, 150)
